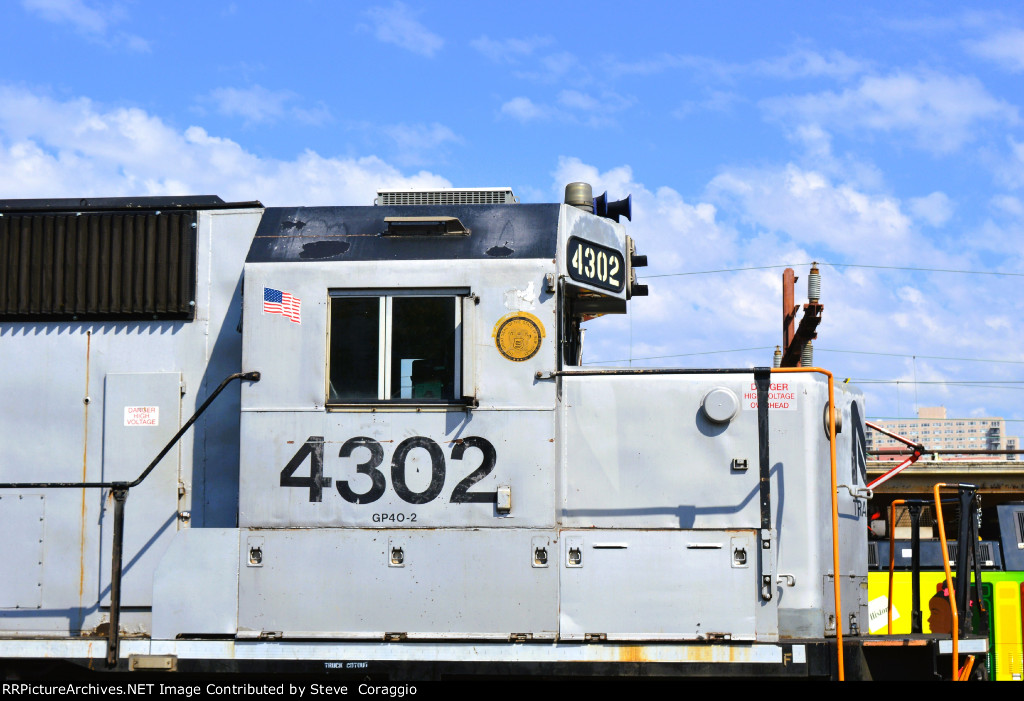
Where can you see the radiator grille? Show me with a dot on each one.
(387, 198)
(97, 265)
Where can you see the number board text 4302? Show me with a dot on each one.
(596, 265)
(312, 451)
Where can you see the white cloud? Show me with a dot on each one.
(557, 68)
(74, 148)
(398, 25)
(87, 21)
(816, 141)
(941, 112)
(257, 104)
(1011, 170)
(574, 99)
(717, 101)
(1009, 205)
(799, 63)
(912, 295)
(707, 68)
(999, 323)
(812, 211)
(806, 64)
(574, 107)
(672, 232)
(508, 50)
(524, 110)
(415, 141)
(1005, 48)
(935, 209)
(74, 12)
(606, 102)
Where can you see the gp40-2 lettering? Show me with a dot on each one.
(315, 482)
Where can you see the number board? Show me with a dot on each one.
(596, 265)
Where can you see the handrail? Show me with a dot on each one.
(949, 579)
(119, 491)
(892, 555)
(835, 508)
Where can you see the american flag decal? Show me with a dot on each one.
(283, 303)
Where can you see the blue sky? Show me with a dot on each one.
(749, 135)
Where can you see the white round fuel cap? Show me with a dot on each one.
(720, 405)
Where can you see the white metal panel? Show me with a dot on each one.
(649, 585)
(195, 586)
(341, 583)
(293, 357)
(210, 448)
(73, 358)
(524, 455)
(639, 453)
(22, 521)
(130, 444)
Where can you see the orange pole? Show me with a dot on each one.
(965, 671)
(835, 508)
(892, 554)
(949, 579)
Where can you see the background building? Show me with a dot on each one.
(936, 432)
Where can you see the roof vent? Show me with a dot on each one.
(450, 195)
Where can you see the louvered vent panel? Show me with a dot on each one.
(468, 196)
(984, 553)
(101, 266)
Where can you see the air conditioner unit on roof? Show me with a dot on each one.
(450, 195)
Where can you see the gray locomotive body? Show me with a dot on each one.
(423, 473)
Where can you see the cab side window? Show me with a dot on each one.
(395, 348)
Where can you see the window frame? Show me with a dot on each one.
(461, 363)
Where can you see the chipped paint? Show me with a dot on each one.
(633, 653)
(521, 300)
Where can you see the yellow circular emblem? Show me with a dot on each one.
(518, 336)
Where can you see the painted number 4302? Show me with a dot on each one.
(369, 448)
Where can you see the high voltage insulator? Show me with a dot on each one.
(807, 355)
(814, 284)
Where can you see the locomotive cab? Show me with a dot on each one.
(427, 454)
(402, 428)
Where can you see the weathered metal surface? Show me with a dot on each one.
(674, 585)
(141, 414)
(361, 652)
(423, 469)
(202, 351)
(22, 521)
(452, 583)
(346, 234)
(629, 467)
(195, 587)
